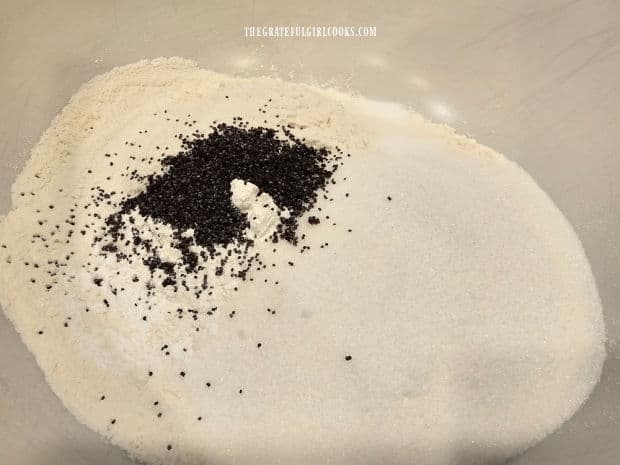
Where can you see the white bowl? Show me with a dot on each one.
(537, 81)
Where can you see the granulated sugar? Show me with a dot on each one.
(420, 301)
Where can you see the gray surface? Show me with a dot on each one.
(535, 80)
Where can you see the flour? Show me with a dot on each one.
(465, 302)
(261, 209)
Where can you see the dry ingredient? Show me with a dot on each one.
(457, 294)
(193, 197)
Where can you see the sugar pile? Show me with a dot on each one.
(431, 305)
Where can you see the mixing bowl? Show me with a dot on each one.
(535, 80)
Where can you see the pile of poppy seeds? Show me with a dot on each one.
(193, 197)
(185, 204)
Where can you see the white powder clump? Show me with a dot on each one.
(456, 323)
(262, 211)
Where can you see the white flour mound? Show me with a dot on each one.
(465, 302)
